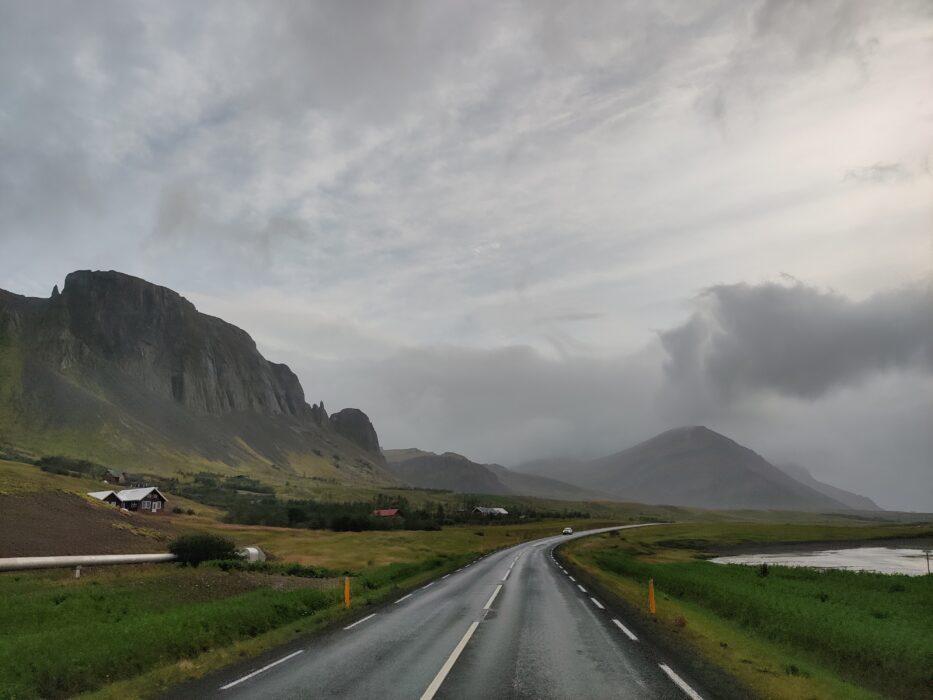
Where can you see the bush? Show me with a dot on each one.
(176, 510)
(193, 549)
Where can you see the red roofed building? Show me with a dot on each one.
(387, 513)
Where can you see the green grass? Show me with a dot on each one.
(874, 630)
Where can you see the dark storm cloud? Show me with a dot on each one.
(797, 340)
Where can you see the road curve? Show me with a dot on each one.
(512, 624)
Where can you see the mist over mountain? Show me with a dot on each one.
(691, 466)
(852, 500)
(122, 371)
(455, 472)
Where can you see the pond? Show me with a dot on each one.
(885, 560)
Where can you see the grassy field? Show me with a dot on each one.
(792, 633)
(64, 636)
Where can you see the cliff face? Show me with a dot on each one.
(143, 356)
(160, 339)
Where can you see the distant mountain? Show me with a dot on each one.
(457, 473)
(692, 466)
(127, 373)
(853, 500)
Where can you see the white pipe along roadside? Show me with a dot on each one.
(22, 563)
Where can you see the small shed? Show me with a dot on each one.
(148, 499)
(494, 512)
(387, 513)
(105, 496)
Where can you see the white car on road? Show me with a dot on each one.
(567, 531)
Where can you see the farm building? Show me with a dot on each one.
(106, 496)
(148, 499)
(387, 513)
(496, 512)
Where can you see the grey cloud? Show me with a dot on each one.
(797, 340)
(878, 173)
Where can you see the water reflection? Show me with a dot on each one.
(912, 562)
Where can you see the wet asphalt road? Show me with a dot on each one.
(510, 625)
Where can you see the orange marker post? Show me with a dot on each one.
(651, 607)
(346, 592)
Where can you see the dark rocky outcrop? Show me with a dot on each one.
(356, 427)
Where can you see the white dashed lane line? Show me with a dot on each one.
(492, 597)
(597, 604)
(264, 668)
(360, 622)
(626, 630)
(582, 589)
(428, 586)
(680, 683)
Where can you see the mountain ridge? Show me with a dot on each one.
(455, 472)
(121, 370)
(690, 466)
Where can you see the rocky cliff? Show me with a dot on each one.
(129, 364)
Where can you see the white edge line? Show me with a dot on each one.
(582, 589)
(597, 603)
(572, 578)
(505, 578)
(360, 622)
(492, 597)
(691, 693)
(264, 668)
(432, 689)
(428, 586)
(444, 576)
(628, 632)
(404, 597)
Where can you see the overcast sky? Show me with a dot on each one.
(508, 229)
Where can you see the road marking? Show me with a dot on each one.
(597, 603)
(428, 586)
(492, 597)
(691, 693)
(449, 664)
(404, 597)
(444, 576)
(572, 578)
(506, 577)
(628, 632)
(582, 589)
(359, 622)
(564, 570)
(264, 668)
(458, 570)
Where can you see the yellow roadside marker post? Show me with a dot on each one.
(346, 592)
(651, 607)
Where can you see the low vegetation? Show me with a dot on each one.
(191, 550)
(871, 629)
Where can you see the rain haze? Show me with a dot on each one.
(513, 230)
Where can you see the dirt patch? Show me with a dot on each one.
(60, 524)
